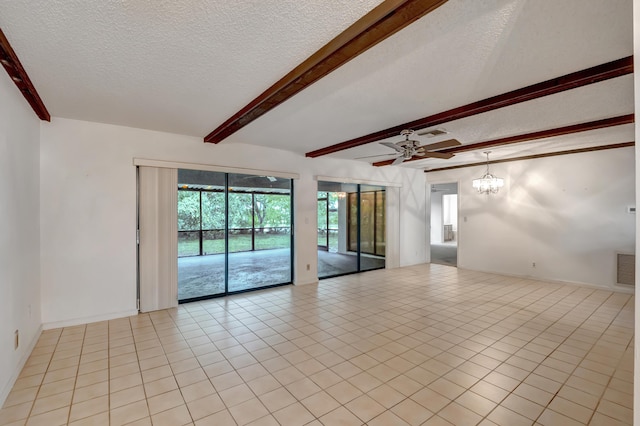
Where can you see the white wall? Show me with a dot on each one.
(19, 231)
(88, 200)
(436, 217)
(636, 88)
(568, 214)
(450, 211)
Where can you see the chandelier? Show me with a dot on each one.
(488, 184)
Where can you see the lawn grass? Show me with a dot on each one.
(333, 240)
(241, 242)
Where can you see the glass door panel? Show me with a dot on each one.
(352, 224)
(333, 221)
(372, 218)
(259, 232)
(338, 258)
(381, 223)
(367, 222)
(201, 237)
(240, 220)
(189, 223)
(272, 221)
(323, 221)
(213, 240)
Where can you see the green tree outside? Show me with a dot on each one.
(271, 218)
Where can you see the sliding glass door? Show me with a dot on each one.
(201, 234)
(259, 231)
(351, 228)
(234, 233)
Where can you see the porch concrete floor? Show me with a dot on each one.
(332, 264)
(204, 275)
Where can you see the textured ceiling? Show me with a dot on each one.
(186, 66)
(181, 66)
(606, 99)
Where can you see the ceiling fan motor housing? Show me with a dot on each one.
(408, 143)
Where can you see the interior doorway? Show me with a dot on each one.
(444, 223)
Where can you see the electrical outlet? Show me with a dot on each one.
(308, 267)
(16, 343)
(533, 264)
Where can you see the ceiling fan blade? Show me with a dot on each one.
(398, 160)
(442, 155)
(392, 146)
(439, 145)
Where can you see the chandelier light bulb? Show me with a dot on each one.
(488, 183)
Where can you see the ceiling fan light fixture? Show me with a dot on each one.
(409, 149)
(488, 183)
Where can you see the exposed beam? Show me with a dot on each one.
(16, 71)
(383, 21)
(543, 134)
(587, 76)
(533, 156)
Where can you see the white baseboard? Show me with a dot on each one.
(16, 372)
(616, 288)
(87, 320)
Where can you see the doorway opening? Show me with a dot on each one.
(444, 223)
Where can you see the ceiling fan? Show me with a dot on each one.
(409, 148)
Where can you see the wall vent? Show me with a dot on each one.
(433, 132)
(626, 269)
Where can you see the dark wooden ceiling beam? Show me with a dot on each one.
(533, 156)
(587, 76)
(383, 21)
(16, 71)
(525, 137)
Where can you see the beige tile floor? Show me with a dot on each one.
(423, 345)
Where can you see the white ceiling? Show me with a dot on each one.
(185, 66)
(180, 66)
